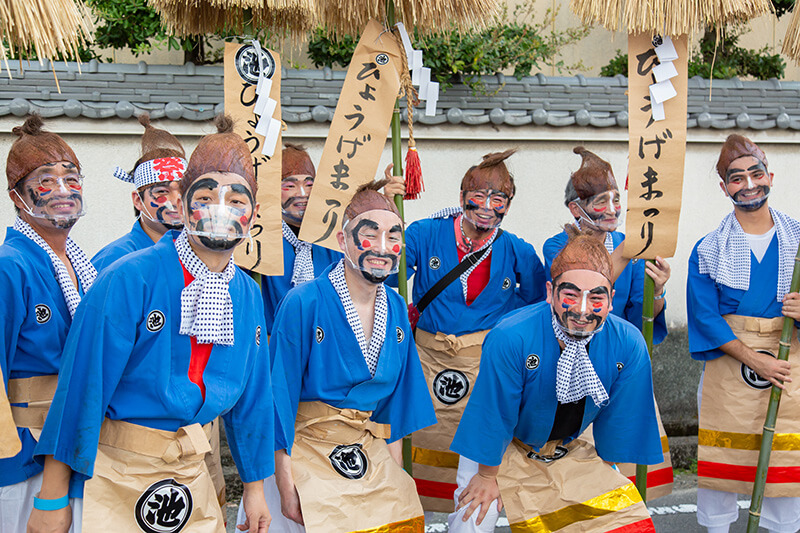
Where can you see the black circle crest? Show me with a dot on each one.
(532, 362)
(400, 335)
(43, 313)
(164, 507)
(258, 335)
(506, 284)
(752, 378)
(249, 67)
(349, 461)
(320, 335)
(155, 321)
(382, 59)
(620, 366)
(559, 453)
(450, 386)
(434, 263)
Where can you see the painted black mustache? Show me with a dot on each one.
(763, 188)
(200, 226)
(367, 273)
(293, 200)
(577, 316)
(169, 225)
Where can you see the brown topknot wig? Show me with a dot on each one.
(369, 198)
(594, 176)
(583, 251)
(33, 148)
(157, 143)
(737, 146)
(295, 161)
(491, 173)
(224, 151)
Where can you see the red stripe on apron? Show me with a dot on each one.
(435, 489)
(657, 477)
(642, 526)
(775, 474)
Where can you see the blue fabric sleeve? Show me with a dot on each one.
(626, 430)
(250, 424)
(491, 416)
(12, 314)
(707, 329)
(95, 355)
(409, 407)
(530, 274)
(550, 250)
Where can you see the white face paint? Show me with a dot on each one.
(583, 301)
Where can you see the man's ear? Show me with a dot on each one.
(548, 288)
(340, 240)
(574, 209)
(137, 200)
(724, 189)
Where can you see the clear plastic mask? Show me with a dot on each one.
(219, 215)
(58, 199)
(485, 208)
(602, 211)
(373, 244)
(576, 310)
(295, 191)
(158, 208)
(748, 198)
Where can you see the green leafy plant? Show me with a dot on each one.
(509, 42)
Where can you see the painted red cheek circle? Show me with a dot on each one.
(396, 248)
(43, 189)
(197, 215)
(161, 199)
(366, 244)
(243, 219)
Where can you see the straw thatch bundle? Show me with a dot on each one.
(342, 17)
(667, 17)
(195, 17)
(48, 28)
(791, 43)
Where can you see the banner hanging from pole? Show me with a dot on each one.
(357, 135)
(657, 101)
(252, 99)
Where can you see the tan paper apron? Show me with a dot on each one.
(733, 409)
(214, 464)
(450, 364)
(345, 476)
(37, 392)
(151, 480)
(660, 476)
(10, 445)
(572, 491)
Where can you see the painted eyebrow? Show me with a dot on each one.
(599, 290)
(757, 166)
(290, 179)
(567, 285)
(396, 229)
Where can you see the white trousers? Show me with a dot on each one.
(16, 504)
(716, 509)
(279, 523)
(466, 471)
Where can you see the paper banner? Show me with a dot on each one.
(265, 253)
(357, 135)
(657, 149)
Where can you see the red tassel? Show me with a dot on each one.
(414, 183)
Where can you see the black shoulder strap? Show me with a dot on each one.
(450, 277)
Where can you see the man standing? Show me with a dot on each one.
(151, 361)
(468, 274)
(43, 276)
(736, 294)
(547, 372)
(157, 176)
(302, 261)
(355, 385)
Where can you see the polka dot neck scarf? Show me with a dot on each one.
(303, 269)
(575, 375)
(83, 268)
(206, 306)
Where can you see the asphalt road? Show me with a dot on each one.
(674, 513)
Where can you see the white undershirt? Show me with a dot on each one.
(760, 243)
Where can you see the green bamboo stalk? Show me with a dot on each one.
(397, 160)
(772, 414)
(648, 304)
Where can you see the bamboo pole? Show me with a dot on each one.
(648, 304)
(772, 414)
(397, 170)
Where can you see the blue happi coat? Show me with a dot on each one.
(133, 241)
(515, 393)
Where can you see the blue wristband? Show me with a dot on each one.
(51, 505)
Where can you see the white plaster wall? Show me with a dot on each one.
(541, 168)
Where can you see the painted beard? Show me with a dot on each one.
(168, 225)
(472, 209)
(218, 243)
(59, 221)
(603, 225)
(578, 334)
(376, 275)
(297, 220)
(752, 205)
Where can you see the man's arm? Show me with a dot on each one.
(766, 366)
(481, 491)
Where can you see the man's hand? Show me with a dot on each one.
(764, 365)
(791, 305)
(396, 185)
(481, 491)
(290, 499)
(50, 521)
(255, 508)
(659, 270)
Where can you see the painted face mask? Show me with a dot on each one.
(485, 208)
(751, 196)
(58, 199)
(219, 214)
(580, 312)
(294, 197)
(602, 211)
(373, 242)
(159, 208)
